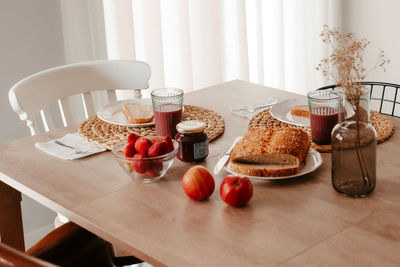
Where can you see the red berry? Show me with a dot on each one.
(169, 142)
(156, 168)
(142, 145)
(140, 164)
(129, 150)
(157, 165)
(132, 138)
(158, 149)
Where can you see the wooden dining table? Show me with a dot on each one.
(301, 221)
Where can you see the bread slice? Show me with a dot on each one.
(267, 170)
(301, 111)
(138, 112)
(270, 152)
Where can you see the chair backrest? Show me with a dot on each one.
(385, 97)
(32, 95)
(13, 257)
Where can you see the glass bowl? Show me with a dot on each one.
(148, 169)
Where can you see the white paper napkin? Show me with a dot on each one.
(250, 110)
(73, 140)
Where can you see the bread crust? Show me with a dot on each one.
(136, 120)
(286, 147)
(301, 111)
(258, 142)
(260, 170)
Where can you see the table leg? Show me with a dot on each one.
(11, 229)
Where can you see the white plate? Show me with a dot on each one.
(311, 163)
(281, 111)
(112, 113)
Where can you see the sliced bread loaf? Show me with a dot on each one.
(270, 152)
(138, 112)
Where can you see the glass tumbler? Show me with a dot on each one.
(167, 108)
(324, 114)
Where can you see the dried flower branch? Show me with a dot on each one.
(345, 64)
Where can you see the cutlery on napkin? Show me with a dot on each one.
(247, 111)
(225, 157)
(71, 146)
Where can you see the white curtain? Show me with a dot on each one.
(193, 44)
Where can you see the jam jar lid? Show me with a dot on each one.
(192, 126)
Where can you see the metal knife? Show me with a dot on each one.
(225, 157)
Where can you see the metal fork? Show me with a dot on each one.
(77, 150)
(264, 104)
(251, 108)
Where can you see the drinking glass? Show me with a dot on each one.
(167, 108)
(324, 114)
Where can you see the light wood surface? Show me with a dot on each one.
(301, 221)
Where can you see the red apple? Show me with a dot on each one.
(198, 183)
(236, 191)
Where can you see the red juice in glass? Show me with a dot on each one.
(166, 117)
(322, 120)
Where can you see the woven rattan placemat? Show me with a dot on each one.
(106, 135)
(383, 126)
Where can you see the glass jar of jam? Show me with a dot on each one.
(193, 141)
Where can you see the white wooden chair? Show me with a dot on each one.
(32, 96)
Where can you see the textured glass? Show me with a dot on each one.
(324, 108)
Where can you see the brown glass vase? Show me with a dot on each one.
(354, 148)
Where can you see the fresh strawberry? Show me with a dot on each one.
(156, 168)
(155, 140)
(157, 165)
(132, 138)
(130, 150)
(142, 145)
(169, 142)
(140, 164)
(158, 149)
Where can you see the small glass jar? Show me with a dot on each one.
(193, 141)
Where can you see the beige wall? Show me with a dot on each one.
(378, 21)
(31, 40)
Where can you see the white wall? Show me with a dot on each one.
(378, 21)
(31, 40)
